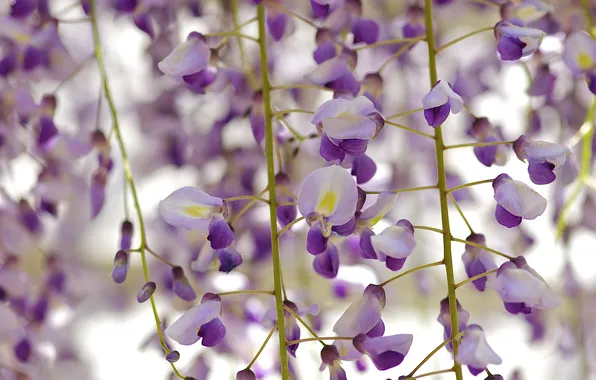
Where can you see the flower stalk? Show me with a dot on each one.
(269, 152)
(443, 192)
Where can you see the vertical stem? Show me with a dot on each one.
(245, 64)
(440, 147)
(279, 307)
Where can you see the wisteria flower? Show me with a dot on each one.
(521, 288)
(346, 126)
(439, 102)
(394, 244)
(484, 132)
(200, 322)
(335, 73)
(478, 261)
(188, 58)
(579, 54)
(444, 318)
(474, 350)
(193, 209)
(385, 351)
(543, 158)
(516, 201)
(330, 359)
(327, 198)
(515, 41)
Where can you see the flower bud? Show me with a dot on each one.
(146, 291)
(173, 356)
(246, 374)
(126, 231)
(182, 286)
(120, 267)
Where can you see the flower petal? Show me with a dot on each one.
(190, 208)
(188, 58)
(184, 330)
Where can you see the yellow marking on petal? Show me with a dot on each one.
(584, 61)
(21, 37)
(327, 203)
(197, 211)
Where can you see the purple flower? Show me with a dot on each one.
(483, 131)
(246, 374)
(474, 350)
(516, 201)
(327, 263)
(193, 209)
(330, 359)
(327, 197)
(335, 73)
(543, 158)
(229, 259)
(181, 285)
(394, 244)
(278, 23)
(346, 126)
(444, 319)
(365, 30)
(579, 53)
(375, 212)
(385, 351)
(521, 288)
(146, 291)
(126, 230)
(120, 267)
(515, 41)
(478, 261)
(202, 321)
(543, 83)
(190, 57)
(439, 101)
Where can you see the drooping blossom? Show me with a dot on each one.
(515, 41)
(477, 261)
(193, 209)
(484, 132)
(331, 360)
(336, 74)
(444, 319)
(385, 351)
(579, 54)
(365, 30)
(516, 201)
(439, 102)
(474, 350)
(394, 244)
(521, 288)
(544, 158)
(200, 322)
(346, 126)
(327, 198)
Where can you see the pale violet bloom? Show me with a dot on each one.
(515, 41)
(579, 52)
(477, 261)
(373, 214)
(327, 198)
(474, 350)
(190, 57)
(439, 102)
(544, 158)
(521, 288)
(361, 317)
(528, 11)
(346, 126)
(394, 244)
(193, 209)
(385, 351)
(516, 201)
(202, 321)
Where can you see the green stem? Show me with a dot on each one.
(443, 191)
(303, 323)
(430, 374)
(409, 129)
(391, 42)
(254, 359)
(232, 34)
(465, 36)
(461, 213)
(474, 278)
(396, 55)
(320, 338)
(279, 306)
(433, 352)
(245, 64)
(293, 110)
(126, 164)
(299, 85)
(405, 113)
(157, 256)
(470, 184)
(478, 144)
(437, 230)
(407, 190)
(291, 13)
(436, 263)
(245, 208)
(246, 197)
(289, 225)
(483, 248)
